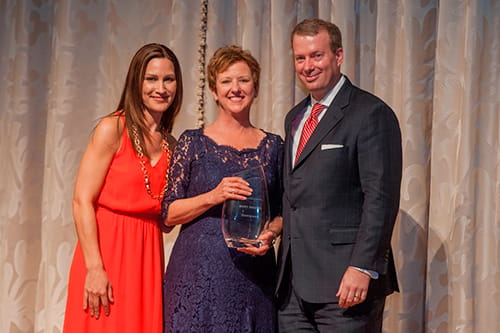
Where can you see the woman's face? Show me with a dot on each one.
(159, 85)
(235, 88)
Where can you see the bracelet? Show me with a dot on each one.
(275, 235)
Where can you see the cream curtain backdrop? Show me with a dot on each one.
(436, 63)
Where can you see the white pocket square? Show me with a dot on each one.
(331, 146)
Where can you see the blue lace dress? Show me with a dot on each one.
(209, 287)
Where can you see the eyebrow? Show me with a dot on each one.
(152, 74)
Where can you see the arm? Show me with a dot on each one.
(177, 208)
(103, 145)
(185, 210)
(379, 160)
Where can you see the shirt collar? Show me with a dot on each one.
(328, 98)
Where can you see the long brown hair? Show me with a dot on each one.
(131, 104)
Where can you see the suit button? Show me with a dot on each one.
(294, 208)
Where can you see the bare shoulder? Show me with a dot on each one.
(108, 133)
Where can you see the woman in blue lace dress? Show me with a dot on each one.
(209, 287)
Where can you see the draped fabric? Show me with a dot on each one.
(436, 63)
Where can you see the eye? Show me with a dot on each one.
(299, 59)
(169, 79)
(150, 78)
(245, 80)
(318, 55)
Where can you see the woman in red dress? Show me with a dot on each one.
(115, 282)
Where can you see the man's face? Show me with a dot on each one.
(317, 66)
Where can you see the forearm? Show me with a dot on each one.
(86, 228)
(182, 211)
(185, 210)
(276, 226)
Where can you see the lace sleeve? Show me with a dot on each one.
(178, 175)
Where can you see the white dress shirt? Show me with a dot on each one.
(326, 101)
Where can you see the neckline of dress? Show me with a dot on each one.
(202, 131)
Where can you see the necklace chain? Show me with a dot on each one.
(142, 160)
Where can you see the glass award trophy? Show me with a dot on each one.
(243, 220)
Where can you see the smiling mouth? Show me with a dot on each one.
(311, 78)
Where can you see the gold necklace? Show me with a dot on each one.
(142, 161)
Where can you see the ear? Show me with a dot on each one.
(340, 56)
(214, 95)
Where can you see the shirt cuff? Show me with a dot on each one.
(372, 274)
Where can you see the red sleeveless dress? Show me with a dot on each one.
(131, 248)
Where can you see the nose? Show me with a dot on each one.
(235, 86)
(308, 64)
(161, 86)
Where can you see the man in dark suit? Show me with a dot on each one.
(342, 177)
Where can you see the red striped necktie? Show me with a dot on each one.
(308, 129)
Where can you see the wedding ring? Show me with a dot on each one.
(232, 192)
(356, 296)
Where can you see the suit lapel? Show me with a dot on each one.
(290, 122)
(332, 117)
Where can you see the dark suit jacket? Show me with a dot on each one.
(342, 197)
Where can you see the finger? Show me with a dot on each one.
(356, 296)
(105, 304)
(94, 306)
(85, 299)
(262, 249)
(239, 180)
(255, 251)
(240, 184)
(240, 187)
(339, 293)
(252, 252)
(97, 310)
(363, 295)
(91, 305)
(244, 191)
(110, 294)
(345, 298)
(350, 297)
(343, 302)
(234, 181)
(341, 288)
(238, 194)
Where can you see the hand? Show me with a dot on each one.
(97, 291)
(267, 238)
(353, 288)
(230, 188)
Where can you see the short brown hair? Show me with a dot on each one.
(226, 56)
(311, 27)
